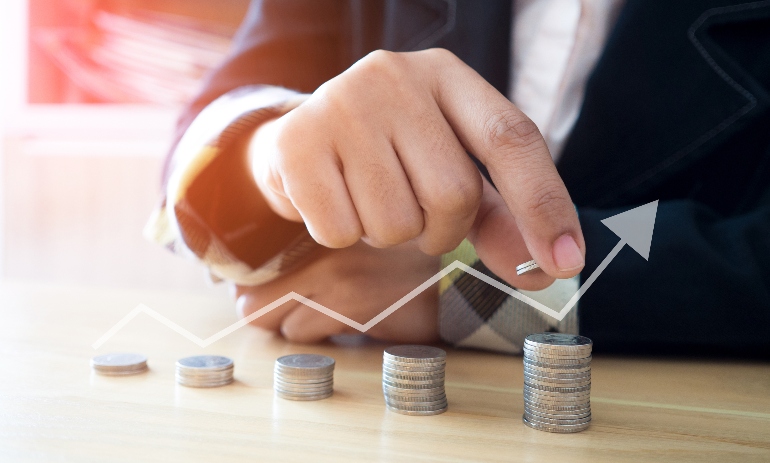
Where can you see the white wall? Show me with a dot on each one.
(13, 90)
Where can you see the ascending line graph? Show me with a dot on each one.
(634, 227)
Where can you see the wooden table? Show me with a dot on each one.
(52, 408)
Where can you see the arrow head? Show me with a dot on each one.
(635, 227)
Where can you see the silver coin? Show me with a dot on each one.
(438, 379)
(526, 267)
(193, 383)
(309, 381)
(550, 368)
(416, 412)
(557, 361)
(313, 392)
(556, 377)
(419, 408)
(525, 264)
(563, 340)
(296, 371)
(534, 415)
(413, 366)
(211, 376)
(119, 363)
(559, 385)
(214, 376)
(304, 362)
(557, 422)
(557, 409)
(413, 385)
(556, 429)
(304, 393)
(529, 390)
(559, 415)
(414, 354)
(558, 353)
(409, 399)
(303, 375)
(303, 387)
(566, 390)
(556, 374)
(306, 397)
(417, 370)
(204, 362)
(422, 371)
(412, 373)
(524, 270)
(432, 404)
(557, 405)
(411, 391)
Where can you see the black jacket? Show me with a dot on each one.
(677, 109)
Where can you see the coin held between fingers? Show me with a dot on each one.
(526, 267)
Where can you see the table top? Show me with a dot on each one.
(53, 408)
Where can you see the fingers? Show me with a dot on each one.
(499, 245)
(511, 147)
(382, 195)
(257, 298)
(307, 325)
(315, 185)
(445, 181)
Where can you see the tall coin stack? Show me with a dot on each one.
(413, 380)
(557, 382)
(204, 371)
(304, 377)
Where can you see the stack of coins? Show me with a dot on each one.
(204, 371)
(413, 380)
(304, 377)
(557, 382)
(119, 364)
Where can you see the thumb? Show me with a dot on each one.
(499, 243)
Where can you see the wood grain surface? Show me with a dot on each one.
(52, 408)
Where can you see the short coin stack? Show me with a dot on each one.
(119, 364)
(413, 380)
(204, 371)
(304, 377)
(557, 382)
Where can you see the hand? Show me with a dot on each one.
(379, 153)
(359, 282)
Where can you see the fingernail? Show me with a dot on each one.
(566, 253)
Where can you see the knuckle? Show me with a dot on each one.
(379, 64)
(439, 55)
(456, 196)
(509, 129)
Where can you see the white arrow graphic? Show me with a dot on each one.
(634, 227)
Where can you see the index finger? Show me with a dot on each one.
(510, 145)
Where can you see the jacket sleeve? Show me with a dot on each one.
(211, 209)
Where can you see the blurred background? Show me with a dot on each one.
(90, 90)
